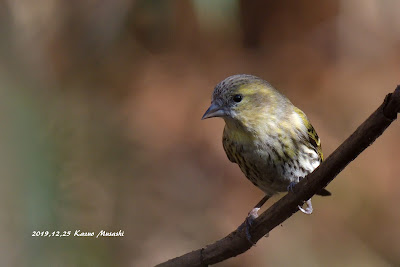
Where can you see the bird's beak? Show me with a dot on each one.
(215, 110)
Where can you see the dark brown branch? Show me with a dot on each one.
(236, 243)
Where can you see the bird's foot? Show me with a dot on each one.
(291, 186)
(309, 209)
(253, 214)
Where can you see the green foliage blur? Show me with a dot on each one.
(100, 112)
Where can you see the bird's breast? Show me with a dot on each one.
(257, 162)
(272, 162)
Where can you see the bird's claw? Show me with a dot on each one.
(253, 214)
(309, 209)
(291, 186)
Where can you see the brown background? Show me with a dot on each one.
(100, 111)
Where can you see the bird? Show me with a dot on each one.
(271, 140)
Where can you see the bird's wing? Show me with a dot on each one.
(315, 143)
(312, 136)
(314, 140)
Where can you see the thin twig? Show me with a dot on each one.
(236, 243)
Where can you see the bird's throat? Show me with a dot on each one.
(238, 132)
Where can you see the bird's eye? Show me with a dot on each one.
(237, 98)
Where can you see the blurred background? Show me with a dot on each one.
(100, 109)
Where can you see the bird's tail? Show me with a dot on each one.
(324, 193)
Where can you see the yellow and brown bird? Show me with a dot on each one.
(270, 139)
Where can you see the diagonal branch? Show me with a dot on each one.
(236, 243)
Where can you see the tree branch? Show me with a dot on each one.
(236, 243)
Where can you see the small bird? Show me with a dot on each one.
(270, 139)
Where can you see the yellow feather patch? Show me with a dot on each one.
(312, 134)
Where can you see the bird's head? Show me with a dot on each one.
(245, 99)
